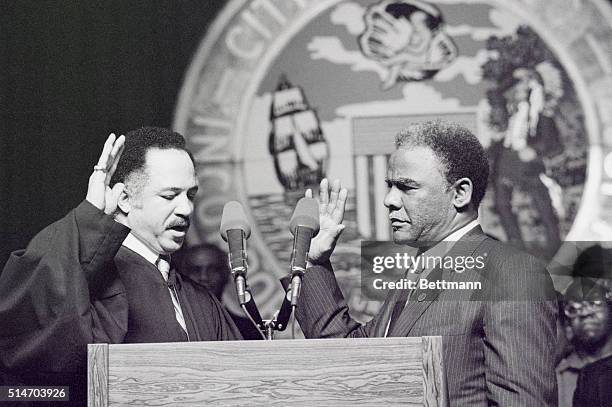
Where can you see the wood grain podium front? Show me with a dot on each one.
(314, 372)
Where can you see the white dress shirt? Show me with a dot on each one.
(136, 245)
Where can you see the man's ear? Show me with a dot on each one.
(462, 193)
(124, 205)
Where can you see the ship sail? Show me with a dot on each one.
(297, 143)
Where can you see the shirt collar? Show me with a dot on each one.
(136, 245)
(575, 362)
(444, 246)
(462, 231)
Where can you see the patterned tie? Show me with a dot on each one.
(163, 265)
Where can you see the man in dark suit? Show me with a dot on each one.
(594, 387)
(103, 273)
(499, 342)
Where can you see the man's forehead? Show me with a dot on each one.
(173, 183)
(170, 168)
(413, 157)
(414, 164)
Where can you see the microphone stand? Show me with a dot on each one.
(251, 309)
(281, 317)
(269, 326)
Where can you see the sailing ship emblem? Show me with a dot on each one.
(296, 141)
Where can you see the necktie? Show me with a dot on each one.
(163, 265)
(402, 299)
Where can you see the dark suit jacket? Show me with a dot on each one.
(594, 387)
(499, 342)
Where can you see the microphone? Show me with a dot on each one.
(235, 229)
(304, 225)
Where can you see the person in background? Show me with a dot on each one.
(587, 320)
(208, 265)
(594, 387)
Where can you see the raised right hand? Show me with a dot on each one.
(332, 203)
(99, 193)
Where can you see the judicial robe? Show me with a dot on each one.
(76, 284)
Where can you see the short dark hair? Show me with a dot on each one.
(138, 142)
(457, 148)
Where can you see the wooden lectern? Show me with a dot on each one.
(314, 372)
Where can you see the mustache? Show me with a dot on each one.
(179, 223)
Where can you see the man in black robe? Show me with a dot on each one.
(102, 274)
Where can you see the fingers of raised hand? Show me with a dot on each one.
(323, 196)
(114, 157)
(111, 151)
(106, 151)
(98, 192)
(333, 199)
(338, 211)
(323, 192)
(117, 150)
(308, 193)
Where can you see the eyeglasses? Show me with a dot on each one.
(588, 307)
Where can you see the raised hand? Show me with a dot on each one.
(332, 202)
(99, 193)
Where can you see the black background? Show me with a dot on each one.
(70, 73)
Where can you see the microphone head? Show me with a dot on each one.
(306, 214)
(234, 218)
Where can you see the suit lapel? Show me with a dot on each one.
(421, 299)
(393, 300)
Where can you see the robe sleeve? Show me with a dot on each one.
(49, 301)
(226, 328)
(205, 315)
